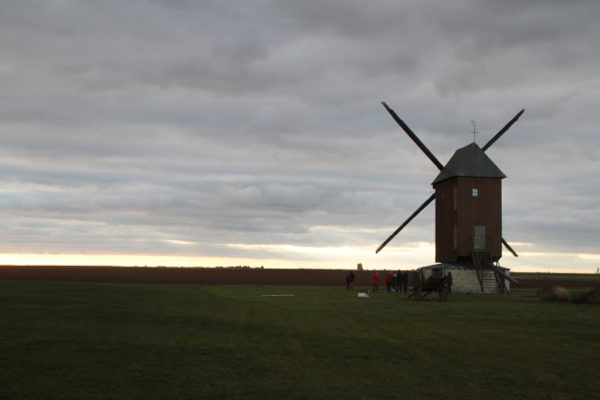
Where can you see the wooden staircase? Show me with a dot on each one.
(489, 280)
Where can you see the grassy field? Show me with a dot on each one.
(119, 341)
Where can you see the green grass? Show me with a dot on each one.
(113, 341)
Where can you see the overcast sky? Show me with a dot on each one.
(254, 132)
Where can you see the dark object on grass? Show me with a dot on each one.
(592, 297)
(556, 293)
(562, 295)
(438, 284)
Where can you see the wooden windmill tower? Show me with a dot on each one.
(468, 217)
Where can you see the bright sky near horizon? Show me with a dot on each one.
(204, 133)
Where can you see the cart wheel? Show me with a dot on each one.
(444, 294)
(417, 291)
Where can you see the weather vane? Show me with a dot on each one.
(474, 130)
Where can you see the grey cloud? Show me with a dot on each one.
(128, 124)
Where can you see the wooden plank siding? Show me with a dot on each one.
(445, 219)
(485, 210)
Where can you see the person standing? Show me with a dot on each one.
(348, 281)
(399, 278)
(388, 282)
(352, 276)
(449, 282)
(375, 282)
(394, 282)
(405, 281)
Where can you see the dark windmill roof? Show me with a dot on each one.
(470, 161)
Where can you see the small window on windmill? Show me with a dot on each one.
(474, 192)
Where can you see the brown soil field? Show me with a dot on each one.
(188, 276)
(229, 276)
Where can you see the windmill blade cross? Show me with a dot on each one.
(414, 137)
(440, 166)
(429, 200)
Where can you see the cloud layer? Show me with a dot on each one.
(131, 127)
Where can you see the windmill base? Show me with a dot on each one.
(465, 279)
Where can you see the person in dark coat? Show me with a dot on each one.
(449, 279)
(394, 282)
(405, 280)
(352, 276)
(348, 281)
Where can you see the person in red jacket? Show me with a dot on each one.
(375, 282)
(388, 281)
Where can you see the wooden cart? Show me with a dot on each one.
(422, 287)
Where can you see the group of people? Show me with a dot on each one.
(397, 282)
(349, 280)
(393, 282)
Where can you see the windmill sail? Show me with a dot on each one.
(429, 200)
(497, 136)
(414, 137)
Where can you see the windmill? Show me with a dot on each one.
(468, 222)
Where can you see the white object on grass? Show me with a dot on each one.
(363, 295)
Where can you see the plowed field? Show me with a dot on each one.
(233, 276)
(190, 276)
